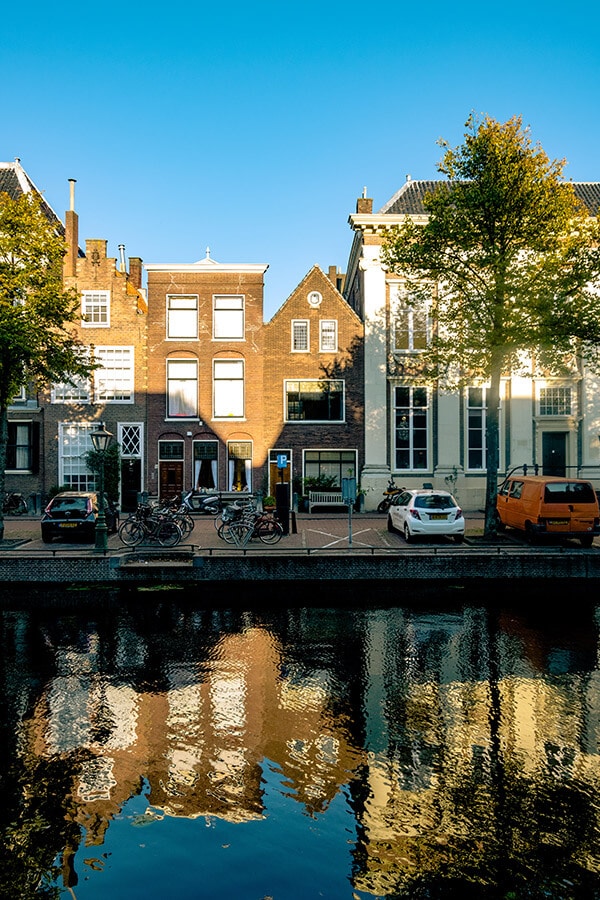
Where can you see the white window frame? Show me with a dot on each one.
(413, 321)
(116, 374)
(74, 437)
(300, 336)
(557, 389)
(182, 317)
(414, 411)
(302, 385)
(229, 312)
(95, 309)
(228, 389)
(328, 335)
(186, 396)
(231, 466)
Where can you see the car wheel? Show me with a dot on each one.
(459, 538)
(587, 540)
(46, 536)
(407, 535)
(530, 535)
(390, 525)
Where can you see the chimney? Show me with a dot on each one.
(71, 235)
(135, 271)
(122, 266)
(364, 204)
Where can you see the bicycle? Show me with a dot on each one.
(242, 525)
(150, 525)
(179, 512)
(14, 504)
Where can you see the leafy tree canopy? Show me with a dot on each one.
(509, 260)
(513, 252)
(36, 342)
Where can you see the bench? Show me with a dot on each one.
(325, 498)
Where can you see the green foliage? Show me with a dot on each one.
(112, 467)
(36, 342)
(320, 483)
(507, 259)
(269, 500)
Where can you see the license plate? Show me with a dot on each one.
(558, 521)
(438, 515)
(68, 525)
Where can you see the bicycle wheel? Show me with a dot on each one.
(225, 532)
(131, 532)
(168, 533)
(268, 529)
(185, 522)
(19, 506)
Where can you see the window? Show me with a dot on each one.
(476, 421)
(555, 401)
(113, 381)
(95, 309)
(328, 335)
(182, 317)
(239, 468)
(314, 401)
(206, 459)
(410, 428)
(75, 391)
(182, 389)
(74, 442)
(228, 384)
(22, 449)
(300, 336)
(410, 322)
(228, 317)
(170, 450)
(336, 464)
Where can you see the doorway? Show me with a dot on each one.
(554, 453)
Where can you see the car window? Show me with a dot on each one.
(74, 504)
(569, 492)
(516, 489)
(434, 501)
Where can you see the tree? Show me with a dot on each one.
(36, 344)
(508, 258)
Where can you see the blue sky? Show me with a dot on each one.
(253, 128)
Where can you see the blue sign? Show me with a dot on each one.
(282, 461)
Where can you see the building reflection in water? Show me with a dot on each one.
(464, 742)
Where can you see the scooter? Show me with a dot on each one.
(390, 492)
(204, 504)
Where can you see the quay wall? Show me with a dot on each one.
(473, 565)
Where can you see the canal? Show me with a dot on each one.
(347, 742)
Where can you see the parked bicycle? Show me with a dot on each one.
(180, 512)
(150, 524)
(241, 524)
(14, 504)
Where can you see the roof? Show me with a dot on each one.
(15, 182)
(408, 201)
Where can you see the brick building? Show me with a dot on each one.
(313, 384)
(205, 376)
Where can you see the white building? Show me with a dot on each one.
(420, 435)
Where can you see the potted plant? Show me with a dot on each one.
(269, 503)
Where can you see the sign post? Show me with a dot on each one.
(349, 497)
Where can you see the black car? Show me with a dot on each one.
(73, 514)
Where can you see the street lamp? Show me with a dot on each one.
(101, 438)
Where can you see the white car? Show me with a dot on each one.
(426, 513)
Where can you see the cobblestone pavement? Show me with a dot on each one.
(306, 531)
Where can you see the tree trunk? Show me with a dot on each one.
(3, 443)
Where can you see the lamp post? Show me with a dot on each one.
(101, 438)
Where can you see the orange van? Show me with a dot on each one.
(544, 506)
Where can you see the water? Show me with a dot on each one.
(157, 745)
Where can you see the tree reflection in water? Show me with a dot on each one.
(440, 749)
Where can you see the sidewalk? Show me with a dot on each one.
(306, 531)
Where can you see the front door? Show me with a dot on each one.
(554, 453)
(131, 483)
(171, 479)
